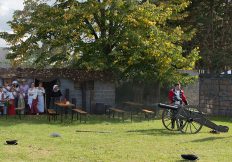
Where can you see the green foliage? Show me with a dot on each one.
(213, 20)
(134, 39)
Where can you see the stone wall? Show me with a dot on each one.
(216, 94)
(151, 93)
(102, 92)
(192, 89)
(74, 92)
(146, 93)
(192, 93)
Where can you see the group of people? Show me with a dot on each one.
(17, 95)
(20, 95)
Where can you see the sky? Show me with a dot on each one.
(7, 7)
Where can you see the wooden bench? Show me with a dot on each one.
(80, 112)
(118, 111)
(52, 113)
(148, 113)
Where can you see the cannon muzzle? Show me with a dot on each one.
(222, 128)
(167, 106)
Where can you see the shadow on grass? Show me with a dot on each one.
(184, 160)
(155, 131)
(87, 131)
(210, 139)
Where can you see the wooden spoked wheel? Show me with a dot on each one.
(169, 119)
(187, 120)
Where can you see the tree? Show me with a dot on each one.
(134, 39)
(213, 20)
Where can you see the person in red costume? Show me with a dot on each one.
(176, 96)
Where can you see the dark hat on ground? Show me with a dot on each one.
(11, 142)
(189, 157)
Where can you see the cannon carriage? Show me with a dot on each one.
(187, 119)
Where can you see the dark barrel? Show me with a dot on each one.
(167, 106)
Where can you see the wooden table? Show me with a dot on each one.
(133, 107)
(116, 110)
(64, 106)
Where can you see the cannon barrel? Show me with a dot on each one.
(165, 106)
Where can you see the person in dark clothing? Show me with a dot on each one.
(56, 92)
(55, 95)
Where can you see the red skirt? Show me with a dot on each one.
(11, 107)
(34, 109)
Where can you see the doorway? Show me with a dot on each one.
(48, 86)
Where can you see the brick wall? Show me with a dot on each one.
(216, 94)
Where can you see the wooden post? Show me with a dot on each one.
(83, 94)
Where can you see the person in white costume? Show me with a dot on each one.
(40, 93)
(32, 99)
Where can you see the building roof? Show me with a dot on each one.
(56, 73)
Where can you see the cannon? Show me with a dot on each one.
(187, 119)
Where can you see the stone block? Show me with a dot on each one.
(225, 103)
(225, 81)
(222, 93)
(202, 106)
(221, 112)
(214, 111)
(223, 88)
(229, 112)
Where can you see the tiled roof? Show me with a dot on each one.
(55, 73)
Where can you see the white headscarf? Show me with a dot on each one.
(55, 87)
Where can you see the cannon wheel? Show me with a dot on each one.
(185, 120)
(169, 120)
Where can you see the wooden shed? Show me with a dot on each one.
(88, 88)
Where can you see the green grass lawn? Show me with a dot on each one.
(103, 139)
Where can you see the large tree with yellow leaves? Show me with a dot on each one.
(134, 39)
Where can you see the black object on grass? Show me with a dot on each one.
(11, 142)
(189, 157)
